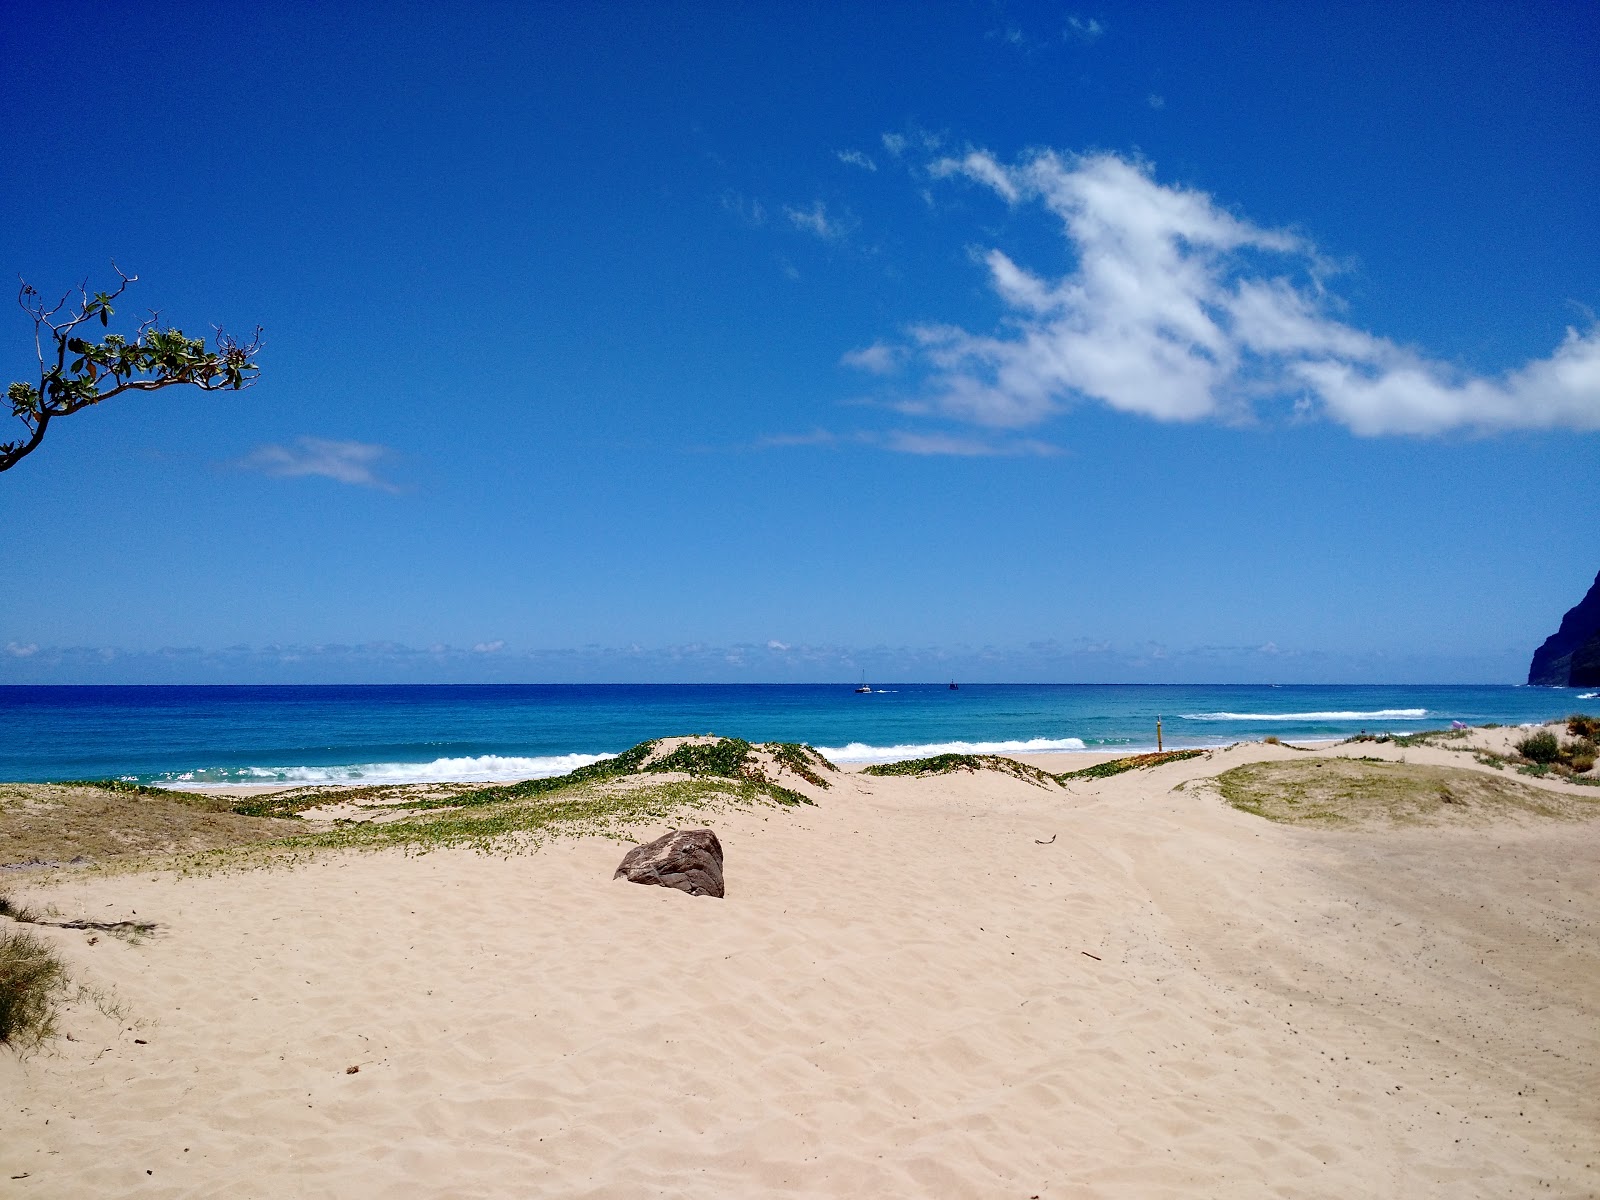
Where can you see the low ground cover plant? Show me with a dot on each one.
(1335, 792)
(1134, 762)
(944, 764)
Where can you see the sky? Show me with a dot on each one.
(755, 342)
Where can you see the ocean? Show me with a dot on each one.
(199, 736)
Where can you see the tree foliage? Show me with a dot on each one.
(76, 372)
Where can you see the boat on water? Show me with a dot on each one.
(954, 686)
(863, 690)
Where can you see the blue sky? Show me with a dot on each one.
(756, 342)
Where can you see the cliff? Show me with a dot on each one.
(1570, 657)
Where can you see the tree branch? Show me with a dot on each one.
(153, 360)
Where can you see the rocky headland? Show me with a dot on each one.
(1570, 657)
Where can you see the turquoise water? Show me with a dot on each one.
(195, 736)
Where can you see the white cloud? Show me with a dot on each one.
(493, 647)
(817, 437)
(904, 442)
(1177, 310)
(880, 358)
(854, 158)
(745, 208)
(346, 462)
(895, 144)
(815, 220)
(1084, 29)
(774, 644)
(18, 650)
(1155, 100)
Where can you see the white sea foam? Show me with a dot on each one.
(861, 752)
(1381, 714)
(485, 768)
(1587, 695)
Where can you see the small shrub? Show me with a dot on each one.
(1584, 726)
(1579, 754)
(1540, 747)
(32, 981)
(1271, 740)
(17, 912)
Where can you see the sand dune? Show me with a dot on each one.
(904, 994)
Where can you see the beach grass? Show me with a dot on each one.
(33, 982)
(943, 764)
(1354, 792)
(1133, 762)
(109, 822)
(55, 823)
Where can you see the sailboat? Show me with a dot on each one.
(863, 690)
(954, 686)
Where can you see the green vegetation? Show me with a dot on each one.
(1423, 737)
(75, 373)
(732, 759)
(17, 912)
(107, 820)
(943, 764)
(1134, 762)
(1540, 747)
(1583, 725)
(52, 823)
(802, 760)
(1347, 792)
(32, 985)
(1544, 753)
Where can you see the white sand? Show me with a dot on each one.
(897, 998)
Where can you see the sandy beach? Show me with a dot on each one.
(960, 985)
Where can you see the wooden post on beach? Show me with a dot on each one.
(1158, 735)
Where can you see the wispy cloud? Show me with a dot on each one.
(1177, 310)
(818, 221)
(346, 462)
(493, 647)
(21, 650)
(1156, 101)
(906, 442)
(817, 437)
(855, 158)
(1083, 29)
(1085, 659)
(880, 358)
(897, 144)
(747, 209)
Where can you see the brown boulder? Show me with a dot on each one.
(687, 859)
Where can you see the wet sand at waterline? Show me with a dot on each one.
(961, 985)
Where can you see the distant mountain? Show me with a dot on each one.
(1570, 657)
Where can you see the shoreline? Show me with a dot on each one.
(1047, 760)
(915, 986)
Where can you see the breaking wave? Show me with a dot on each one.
(861, 752)
(1381, 714)
(484, 768)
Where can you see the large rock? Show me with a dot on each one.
(687, 859)
(1586, 664)
(1570, 657)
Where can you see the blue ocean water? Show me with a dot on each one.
(193, 736)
